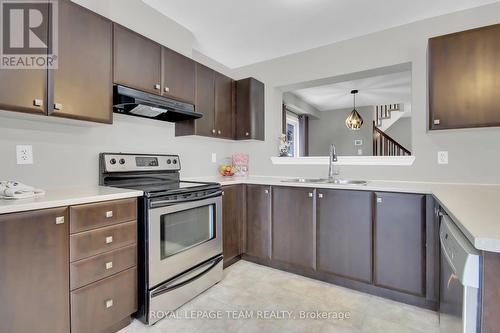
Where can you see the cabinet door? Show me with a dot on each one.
(24, 90)
(344, 233)
(83, 82)
(400, 242)
(249, 109)
(136, 60)
(463, 79)
(258, 221)
(293, 226)
(205, 101)
(178, 76)
(232, 218)
(224, 120)
(34, 271)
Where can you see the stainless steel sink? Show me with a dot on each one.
(325, 180)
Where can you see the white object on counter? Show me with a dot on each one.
(11, 189)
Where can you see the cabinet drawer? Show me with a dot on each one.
(98, 306)
(96, 215)
(91, 243)
(99, 267)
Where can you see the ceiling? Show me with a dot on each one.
(238, 32)
(383, 89)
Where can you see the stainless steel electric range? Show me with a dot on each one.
(179, 230)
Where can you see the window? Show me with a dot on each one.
(292, 134)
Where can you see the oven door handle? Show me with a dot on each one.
(160, 203)
(184, 280)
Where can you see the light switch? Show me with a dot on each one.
(214, 158)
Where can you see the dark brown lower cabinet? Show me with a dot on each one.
(232, 221)
(258, 221)
(293, 228)
(344, 233)
(399, 248)
(34, 271)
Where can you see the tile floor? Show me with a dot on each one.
(251, 297)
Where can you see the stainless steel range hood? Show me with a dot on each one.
(140, 104)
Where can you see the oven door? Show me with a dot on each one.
(182, 236)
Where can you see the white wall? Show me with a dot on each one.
(474, 154)
(66, 151)
(330, 128)
(401, 132)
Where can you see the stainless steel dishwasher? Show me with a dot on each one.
(460, 282)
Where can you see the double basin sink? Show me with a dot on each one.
(326, 181)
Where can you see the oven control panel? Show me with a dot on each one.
(140, 162)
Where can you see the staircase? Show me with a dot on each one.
(386, 115)
(384, 145)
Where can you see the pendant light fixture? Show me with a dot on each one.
(354, 121)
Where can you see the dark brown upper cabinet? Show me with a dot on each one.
(178, 79)
(399, 249)
(463, 79)
(136, 61)
(344, 233)
(249, 109)
(34, 266)
(293, 227)
(232, 222)
(24, 90)
(82, 83)
(258, 221)
(224, 110)
(214, 99)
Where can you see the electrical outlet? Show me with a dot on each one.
(214, 158)
(24, 154)
(442, 157)
(360, 151)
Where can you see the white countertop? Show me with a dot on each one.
(67, 197)
(471, 206)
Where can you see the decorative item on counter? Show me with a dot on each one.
(284, 145)
(226, 170)
(240, 163)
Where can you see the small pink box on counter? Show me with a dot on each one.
(240, 163)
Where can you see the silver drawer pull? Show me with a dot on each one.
(266, 191)
(167, 89)
(213, 131)
(219, 132)
(379, 200)
(60, 220)
(320, 195)
(157, 87)
(58, 106)
(437, 121)
(109, 303)
(247, 134)
(310, 194)
(109, 239)
(109, 214)
(37, 102)
(109, 265)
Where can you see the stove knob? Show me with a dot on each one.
(112, 161)
(169, 161)
(122, 161)
(175, 162)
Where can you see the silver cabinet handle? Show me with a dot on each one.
(37, 102)
(437, 121)
(58, 106)
(157, 87)
(247, 134)
(310, 194)
(320, 195)
(266, 191)
(109, 303)
(223, 193)
(109, 265)
(109, 214)
(219, 132)
(213, 131)
(379, 200)
(167, 89)
(60, 220)
(109, 239)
